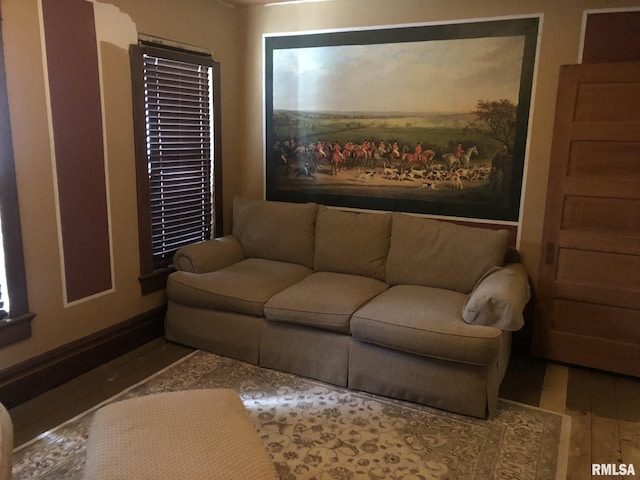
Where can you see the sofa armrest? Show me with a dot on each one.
(209, 255)
(498, 298)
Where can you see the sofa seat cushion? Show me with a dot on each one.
(323, 300)
(425, 321)
(243, 287)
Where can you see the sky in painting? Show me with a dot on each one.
(431, 76)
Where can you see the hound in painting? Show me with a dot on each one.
(365, 177)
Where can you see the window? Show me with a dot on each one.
(176, 116)
(4, 300)
(15, 319)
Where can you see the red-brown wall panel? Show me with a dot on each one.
(76, 114)
(612, 37)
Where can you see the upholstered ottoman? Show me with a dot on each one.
(6, 443)
(196, 434)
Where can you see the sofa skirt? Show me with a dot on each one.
(309, 352)
(444, 384)
(229, 334)
(341, 360)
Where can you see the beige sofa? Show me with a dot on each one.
(388, 303)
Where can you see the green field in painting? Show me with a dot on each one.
(440, 132)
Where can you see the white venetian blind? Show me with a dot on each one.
(4, 300)
(178, 106)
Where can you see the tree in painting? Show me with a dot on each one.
(496, 119)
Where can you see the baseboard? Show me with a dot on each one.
(28, 379)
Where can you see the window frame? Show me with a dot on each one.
(17, 326)
(152, 278)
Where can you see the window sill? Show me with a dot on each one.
(156, 280)
(16, 329)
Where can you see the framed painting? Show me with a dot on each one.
(429, 119)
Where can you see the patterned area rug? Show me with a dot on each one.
(318, 431)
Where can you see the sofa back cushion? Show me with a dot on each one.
(352, 242)
(275, 230)
(442, 254)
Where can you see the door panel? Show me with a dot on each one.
(622, 158)
(588, 298)
(607, 102)
(598, 269)
(614, 215)
(609, 322)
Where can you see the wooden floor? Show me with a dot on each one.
(604, 408)
(52, 408)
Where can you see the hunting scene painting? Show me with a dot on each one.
(428, 119)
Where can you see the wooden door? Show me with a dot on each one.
(588, 295)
